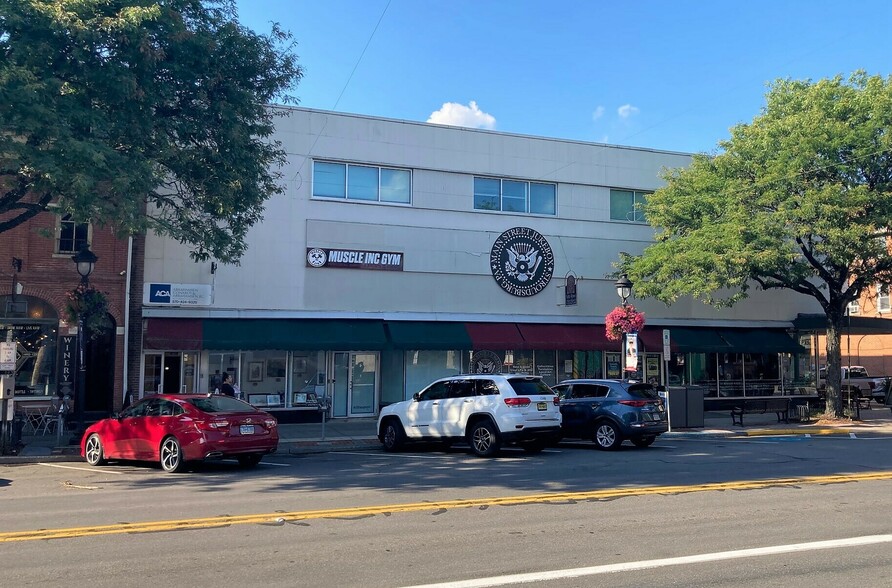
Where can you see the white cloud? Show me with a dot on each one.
(459, 115)
(627, 110)
(598, 113)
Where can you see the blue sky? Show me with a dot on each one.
(671, 74)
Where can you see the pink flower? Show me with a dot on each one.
(621, 320)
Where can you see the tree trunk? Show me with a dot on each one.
(833, 374)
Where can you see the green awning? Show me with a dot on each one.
(428, 335)
(855, 325)
(760, 341)
(293, 334)
(691, 340)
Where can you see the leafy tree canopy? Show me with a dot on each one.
(141, 114)
(800, 199)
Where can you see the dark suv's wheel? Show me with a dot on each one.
(483, 437)
(393, 437)
(643, 441)
(249, 460)
(607, 436)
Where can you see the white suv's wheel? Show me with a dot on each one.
(392, 435)
(483, 438)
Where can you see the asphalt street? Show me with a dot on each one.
(687, 511)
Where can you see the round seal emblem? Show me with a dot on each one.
(486, 362)
(521, 262)
(316, 257)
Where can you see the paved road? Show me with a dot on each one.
(368, 518)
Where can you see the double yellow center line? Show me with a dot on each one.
(289, 517)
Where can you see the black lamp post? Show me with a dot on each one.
(85, 260)
(624, 290)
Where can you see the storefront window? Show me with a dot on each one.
(307, 378)
(263, 380)
(544, 365)
(423, 366)
(32, 326)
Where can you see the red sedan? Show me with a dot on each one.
(178, 428)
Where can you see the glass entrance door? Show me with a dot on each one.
(171, 372)
(354, 391)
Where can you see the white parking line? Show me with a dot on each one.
(408, 455)
(94, 470)
(659, 563)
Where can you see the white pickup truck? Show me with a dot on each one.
(856, 379)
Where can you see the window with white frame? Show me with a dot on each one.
(627, 205)
(70, 235)
(883, 304)
(854, 307)
(361, 182)
(515, 196)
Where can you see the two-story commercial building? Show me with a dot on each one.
(401, 252)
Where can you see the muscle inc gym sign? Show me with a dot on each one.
(354, 259)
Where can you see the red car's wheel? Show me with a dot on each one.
(93, 451)
(171, 455)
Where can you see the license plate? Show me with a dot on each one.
(246, 430)
(542, 405)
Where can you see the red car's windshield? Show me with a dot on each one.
(219, 403)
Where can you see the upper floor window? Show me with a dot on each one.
(854, 307)
(883, 304)
(361, 182)
(627, 205)
(514, 196)
(71, 235)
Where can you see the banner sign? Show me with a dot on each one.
(178, 294)
(66, 356)
(631, 352)
(355, 259)
(7, 356)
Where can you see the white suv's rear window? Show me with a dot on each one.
(530, 387)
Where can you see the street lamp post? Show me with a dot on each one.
(623, 290)
(85, 260)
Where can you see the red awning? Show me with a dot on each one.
(173, 334)
(568, 337)
(652, 339)
(495, 336)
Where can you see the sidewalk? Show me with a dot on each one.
(354, 434)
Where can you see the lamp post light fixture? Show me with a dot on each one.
(623, 288)
(85, 261)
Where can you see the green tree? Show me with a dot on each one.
(799, 199)
(141, 115)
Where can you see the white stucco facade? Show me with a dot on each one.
(445, 242)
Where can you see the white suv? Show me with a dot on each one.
(486, 410)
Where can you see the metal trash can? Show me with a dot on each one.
(685, 405)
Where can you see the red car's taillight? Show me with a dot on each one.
(635, 403)
(270, 423)
(212, 425)
(517, 401)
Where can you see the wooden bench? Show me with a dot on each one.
(779, 406)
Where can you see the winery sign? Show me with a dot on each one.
(521, 262)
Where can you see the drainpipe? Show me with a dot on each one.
(127, 315)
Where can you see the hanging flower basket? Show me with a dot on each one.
(623, 319)
(92, 304)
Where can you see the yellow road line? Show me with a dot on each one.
(283, 517)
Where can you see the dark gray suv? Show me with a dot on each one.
(609, 411)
